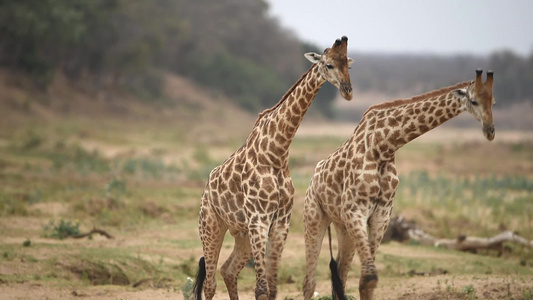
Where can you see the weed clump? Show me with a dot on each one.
(62, 229)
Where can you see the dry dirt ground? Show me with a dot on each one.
(414, 288)
(418, 287)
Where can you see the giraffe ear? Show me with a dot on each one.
(313, 57)
(350, 61)
(460, 93)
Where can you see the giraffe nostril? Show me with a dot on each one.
(347, 88)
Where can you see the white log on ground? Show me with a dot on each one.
(472, 243)
(402, 230)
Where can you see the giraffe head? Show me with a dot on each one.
(477, 99)
(334, 66)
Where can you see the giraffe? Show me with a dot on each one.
(251, 193)
(354, 186)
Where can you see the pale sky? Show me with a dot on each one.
(412, 26)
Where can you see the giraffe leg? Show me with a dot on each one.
(258, 232)
(355, 222)
(212, 235)
(261, 206)
(315, 224)
(377, 225)
(232, 267)
(379, 221)
(346, 253)
(275, 247)
(277, 237)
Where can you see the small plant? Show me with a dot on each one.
(187, 289)
(7, 255)
(26, 243)
(470, 291)
(527, 294)
(115, 187)
(62, 229)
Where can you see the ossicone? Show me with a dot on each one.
(488, 82)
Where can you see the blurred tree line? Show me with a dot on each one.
(401, 74)
(228, 45)
(231, 46)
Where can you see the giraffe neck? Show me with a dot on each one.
(275, 127)
(399, 122)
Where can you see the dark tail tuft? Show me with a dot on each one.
(200, 278)
(336, 282)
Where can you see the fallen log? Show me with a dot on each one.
(473, 244)
(402, 230)
(93, 231)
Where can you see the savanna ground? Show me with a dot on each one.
(140, 179)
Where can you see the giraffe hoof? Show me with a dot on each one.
(367, 284)
(262, 297)
(368, 281)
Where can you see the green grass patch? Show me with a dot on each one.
(471, 205)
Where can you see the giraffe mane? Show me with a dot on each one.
(285, 96)
(399, 102)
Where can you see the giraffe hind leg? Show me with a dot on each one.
(315, 224)
(346, 253)
(212, 232)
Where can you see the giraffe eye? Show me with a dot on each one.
(329, 66)
(474, 102)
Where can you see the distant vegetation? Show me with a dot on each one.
(229, 46)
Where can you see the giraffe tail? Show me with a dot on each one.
(337, 291)
(200, 278)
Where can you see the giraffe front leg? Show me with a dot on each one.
(261, 204)
(279, 231)
(380, 219)
(276, 243)
(258, 235)
(230, 270)
(354, 215)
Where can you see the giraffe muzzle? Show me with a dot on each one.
(346, 91)
(488, 131)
